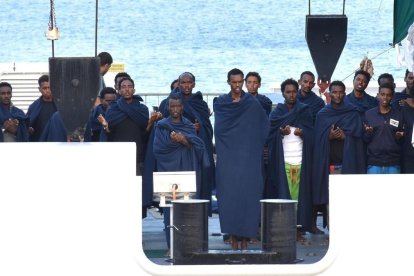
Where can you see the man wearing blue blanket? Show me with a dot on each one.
(290, 153)
(338, 147)
(177, 147)
(241, 128)
(127, 121)
(41, 110)
(196, 110)
(13, 122)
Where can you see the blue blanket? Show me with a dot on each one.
(196, 109)
(137, 111)
(265, 102)
(54, 130)
(366, 103)
(348, 118)
(22, 134)
(241, 129)
(93, 124)
(300, 116)
(315, 103)
(173, 156)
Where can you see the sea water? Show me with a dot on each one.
(157, 40)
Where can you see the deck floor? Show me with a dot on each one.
(155, 246)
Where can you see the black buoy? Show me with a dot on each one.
(190, 228)
(279, 228)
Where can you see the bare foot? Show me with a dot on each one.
(244, 244)
(234, 242)
(254, 240)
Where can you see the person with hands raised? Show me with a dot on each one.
(383, 133)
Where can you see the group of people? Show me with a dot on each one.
(260, 151)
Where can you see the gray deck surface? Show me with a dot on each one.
(155, 246)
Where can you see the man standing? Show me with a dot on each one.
(41, 110)
(96, 121)
(105, 64)
(127, 120)
(14, 123)
(196, 110)
(338, 146)
(383, 127)
(253, 83)
(307, 96)
(290, 153)
(178, 148)
(358, 96)
(241, 128)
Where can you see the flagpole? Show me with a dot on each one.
(96, 28)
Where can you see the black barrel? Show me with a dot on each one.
(190, 227)
(279, 228)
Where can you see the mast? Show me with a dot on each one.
(52, 31)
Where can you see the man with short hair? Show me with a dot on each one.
(41, 110)
(307, 96)
(177, 147)
(127, 119)
(253, 83)
(290, 154)
(14, 123)
(383, 127)
(338, 146)
(358, 96)
(105, 64)
(118, 77)
(241, 128)
(196, 110)
(96, 121)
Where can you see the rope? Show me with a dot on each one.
(52, 18)
(381, 53)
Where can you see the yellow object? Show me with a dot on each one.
(117, 67)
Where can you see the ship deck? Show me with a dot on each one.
(155, 247)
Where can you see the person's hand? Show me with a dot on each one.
(285, 130)
(178, 137)
(298, 132)
(11, 125)
(409, 102)
(197, 125)
(101, 120)
(399, 135)
(368, 129)
(336, 133)
(155, 116)
(31, 130)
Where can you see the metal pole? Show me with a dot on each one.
(343, 8)
(309, 3)
(51, 26)
(96, 29)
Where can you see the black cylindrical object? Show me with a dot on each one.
(279, 228)
(190, 227)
